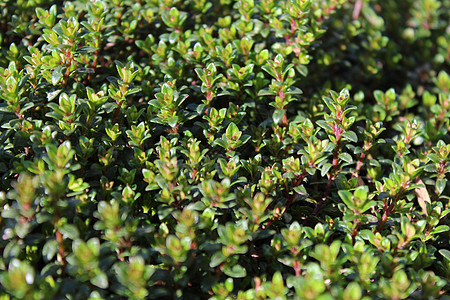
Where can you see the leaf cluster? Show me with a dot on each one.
(224, 149)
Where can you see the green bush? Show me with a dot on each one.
(198, 149)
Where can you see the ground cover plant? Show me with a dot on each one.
(224, 149)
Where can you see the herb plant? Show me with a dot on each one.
(224, 149)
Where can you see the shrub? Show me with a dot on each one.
(224, 149)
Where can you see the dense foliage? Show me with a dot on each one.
(196, 149)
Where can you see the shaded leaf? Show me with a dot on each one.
(422, 196)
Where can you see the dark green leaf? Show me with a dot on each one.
(351, 136)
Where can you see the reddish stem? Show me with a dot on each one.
(61, 250)
(331, 176)
(290, 197)
(295, 183)
(389, 210)
(284, 121)
(385, 216)
(360, 162)
(297, 268)
(117, 111)
(359, 165)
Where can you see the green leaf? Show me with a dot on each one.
(301, 190)
(441, 228)
(367, 206)
(440, 185)
(361, 192)
(325, 168)
(100, 280)
(346, 157)
(235, 270)
(329, 102)
(57, 74)
(172, 121)
(232, 133)
(351, 136)
(216, 259)
(294, 91)
(278, 115)
(70, 231)
(346, 197)
(268, 69)
(352, 291)
(53, 93)
(445, 253)
(278, 282)
(325, 125)
(50, 249)
(266, 92)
